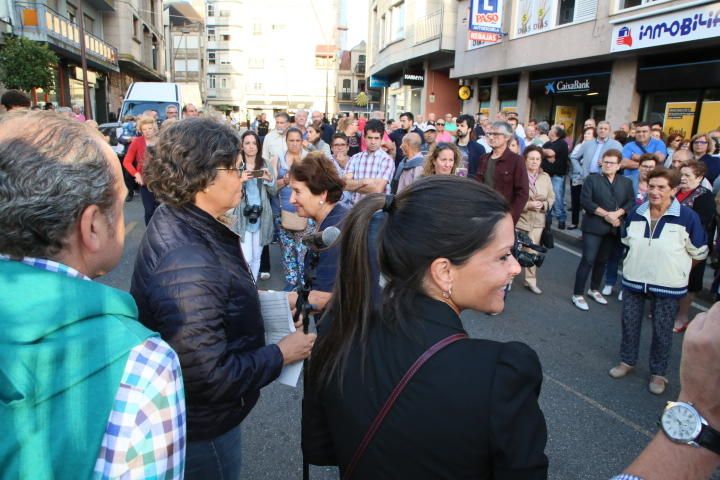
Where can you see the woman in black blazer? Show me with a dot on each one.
(606, 198)
(472, 410)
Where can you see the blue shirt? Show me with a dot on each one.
(632, 148)
(327, 266)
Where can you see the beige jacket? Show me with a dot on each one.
(542, 192)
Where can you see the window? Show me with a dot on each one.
(279, 27)
(257, 28)
(89, 24)
(211, 10)
(225, 38)
(211, 81)
(257, 86)
(136, 27)
(72, 12)
(346, 84)
(225, 61)
(323, 62)
(361, 85)
(361, 58)
(566, 11)
(211, 58)
(397, 31)
(623, 4)
(224, 13)
(211, 34)
(223, 83)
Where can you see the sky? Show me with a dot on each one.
(357, 22)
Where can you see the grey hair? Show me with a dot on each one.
(506, 128)
(63, 110)
(605, 122)
(543, 127)
(51, 169)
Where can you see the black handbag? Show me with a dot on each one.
(546, 238)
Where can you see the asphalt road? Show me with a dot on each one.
(596, 425)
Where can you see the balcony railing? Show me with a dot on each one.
(42, 24)
(428, 28)
(360, 68)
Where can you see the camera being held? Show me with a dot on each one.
(252, 212)
(523, 256)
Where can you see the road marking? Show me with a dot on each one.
(702, 308)
(602, 408)
(130, 227)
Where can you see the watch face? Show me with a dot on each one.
(681, 423)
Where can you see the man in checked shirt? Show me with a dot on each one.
(370, 171)
(86, 391)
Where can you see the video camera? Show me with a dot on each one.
(524, 257)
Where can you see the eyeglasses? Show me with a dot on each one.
(238, 170)
(700, 142)
(441, 124)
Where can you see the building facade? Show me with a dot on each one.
(185, 33)
(352, 82)
(55, 22)
(410, 53)
(283, 55)
(620, 60)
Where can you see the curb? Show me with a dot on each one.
(571, 240)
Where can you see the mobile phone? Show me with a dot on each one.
(461, 172)
(256, 173)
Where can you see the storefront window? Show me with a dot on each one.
(675, 110)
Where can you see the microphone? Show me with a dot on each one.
(321, 240)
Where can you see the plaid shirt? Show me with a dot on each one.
(377, 164)
(145, 434)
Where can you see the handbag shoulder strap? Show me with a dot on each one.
(377, 422)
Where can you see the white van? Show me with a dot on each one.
(142, 96)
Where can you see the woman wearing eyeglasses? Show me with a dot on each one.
(701, 146)
(192, 285)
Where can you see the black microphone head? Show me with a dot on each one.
(330, 236)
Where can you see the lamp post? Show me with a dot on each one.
(83, 62)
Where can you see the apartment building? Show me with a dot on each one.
(351, 82)
(271, 56)
(567, 60)
(55, 22)
(185, 34)
(410, 53)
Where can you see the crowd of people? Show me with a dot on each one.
(176, 364)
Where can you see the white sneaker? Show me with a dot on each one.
(620, 296)
(607, 290)
(265, 276)
(580, 302)
(597, 296)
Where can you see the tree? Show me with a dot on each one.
(25, 64)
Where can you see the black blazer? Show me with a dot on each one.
(597, 191)
(470, 412)
(192, 285)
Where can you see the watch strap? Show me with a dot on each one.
(709, 438)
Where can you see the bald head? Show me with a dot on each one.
(680, 157)
(411, 144)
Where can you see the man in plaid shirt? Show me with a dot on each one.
(370, 171)
(87, 391)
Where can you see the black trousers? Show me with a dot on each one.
(575, 203)
(265, 260)
(595, 253)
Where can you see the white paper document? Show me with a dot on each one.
(278, 324)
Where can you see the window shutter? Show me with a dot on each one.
(585, 10)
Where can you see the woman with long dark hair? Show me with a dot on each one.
(450, 421)
(253, 218)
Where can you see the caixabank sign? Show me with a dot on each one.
(682, 26)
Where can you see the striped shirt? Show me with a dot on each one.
(377, 164)
(145, 434)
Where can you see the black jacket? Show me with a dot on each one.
(597, 191)
(562, 158)
(192, 285)
(470, 412)
(475, 151)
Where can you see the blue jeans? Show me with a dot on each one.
(219, 458)
(611, 274)
(558, 210)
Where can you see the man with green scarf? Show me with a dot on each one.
(85, 390)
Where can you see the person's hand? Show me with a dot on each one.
(700, 365)
(635, 157)
(538, 205)
(246, 175)
(266, 175)
(306, 144)
(292, 301)
(139, 179)
(296, 346)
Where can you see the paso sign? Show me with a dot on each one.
(485, 23)
(575, 85)
(692, 24)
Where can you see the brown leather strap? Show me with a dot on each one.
(393, 396)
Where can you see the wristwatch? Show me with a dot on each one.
(683, 424)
